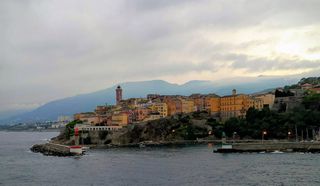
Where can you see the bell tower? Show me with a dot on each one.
(234, 92)
(118, 94)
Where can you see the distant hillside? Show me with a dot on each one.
(310, 80)
(87, 102)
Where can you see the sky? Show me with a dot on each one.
(55, 49)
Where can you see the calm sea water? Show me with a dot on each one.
(192, 165)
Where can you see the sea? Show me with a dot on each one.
(187, 165)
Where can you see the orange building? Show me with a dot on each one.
(121, 119)
(234, 105)
(199, 101)
(174, 106)
(212, 104)
(187, 105)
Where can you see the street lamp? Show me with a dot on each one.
(234, 136)
(263, 134)
(289, 134)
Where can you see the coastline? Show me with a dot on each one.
(239, 146)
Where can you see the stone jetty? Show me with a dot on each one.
(51, 149)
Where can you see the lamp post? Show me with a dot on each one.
(234, 136)
(289, 134)
(263, 134)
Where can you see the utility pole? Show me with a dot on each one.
(313, 134)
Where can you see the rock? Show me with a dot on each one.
(50, 150)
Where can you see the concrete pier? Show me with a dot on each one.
(270, 147)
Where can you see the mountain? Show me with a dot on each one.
(87, 102)
(11, 113)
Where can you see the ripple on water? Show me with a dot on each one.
(193, 165)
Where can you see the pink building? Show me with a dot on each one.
(141, 113)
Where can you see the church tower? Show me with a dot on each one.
(234, 92)
(118, 94)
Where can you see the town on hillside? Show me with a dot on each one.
(154, 106)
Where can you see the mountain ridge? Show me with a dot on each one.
(88, 101)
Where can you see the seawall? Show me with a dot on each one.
(271, 146)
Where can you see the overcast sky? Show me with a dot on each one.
(53, 49)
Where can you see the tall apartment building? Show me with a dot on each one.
(234, 105)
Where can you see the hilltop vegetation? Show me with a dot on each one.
(310, 80)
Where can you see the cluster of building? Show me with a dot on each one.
(61, 122)
(154, 106)
(311, 88)
(286, 100)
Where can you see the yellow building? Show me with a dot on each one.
(256, 103)
(161, 108)
(235, 105)
(120, 119)
(267, 99)
(187, 106)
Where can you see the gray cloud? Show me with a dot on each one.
(50, 49)
(263, 64)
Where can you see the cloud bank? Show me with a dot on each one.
(53, 49)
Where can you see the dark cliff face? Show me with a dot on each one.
(178, 127)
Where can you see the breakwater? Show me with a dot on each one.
(51, 149)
